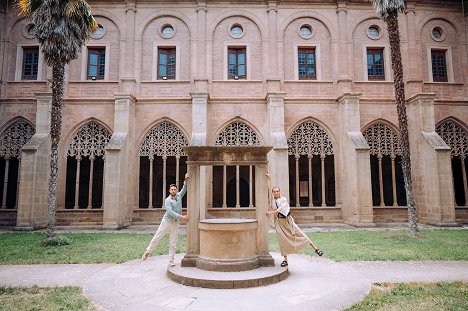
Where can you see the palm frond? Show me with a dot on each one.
(383, 7)
(26, 7)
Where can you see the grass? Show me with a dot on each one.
(50, 299)
(415, 297)
(441, 244)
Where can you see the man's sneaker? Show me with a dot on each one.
(145, 256)
(171, 263)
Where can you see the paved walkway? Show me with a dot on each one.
(314, 284)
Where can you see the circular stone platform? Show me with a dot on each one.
(313, 284)
(193, 276)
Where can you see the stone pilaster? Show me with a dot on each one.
(413, 70)
(35, 170)
(119, 168)
(128, 80)
(431, 164)
(341, 49)
(193, 211)
(354, 164)
(278, 157)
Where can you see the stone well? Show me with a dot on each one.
(228, 244)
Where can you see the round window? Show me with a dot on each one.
(99, 32)
(305, 31)
(31, 30)
(236, 30)
(373, 31)
(167, 31)
(437, 32)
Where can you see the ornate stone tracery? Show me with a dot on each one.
(89, 141)
(164, 139)
(455, 136)
(309, 139)
(237, 134)
(14, 138)
(382, 140)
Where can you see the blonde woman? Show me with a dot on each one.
(291, 239)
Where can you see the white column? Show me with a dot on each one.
(311, 202)
(322, 158)
(224, 186)
(395, 201)
(90, 190)
(150, 189)
(177, 170)
(103, 177)
(382, 203)
(18, 182)
(250, 187)
(237, 187)
(5, 182)
(465, 186)
(297, 181)
(164, 180)
(77, 182)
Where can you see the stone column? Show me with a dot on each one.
(341, 49)
(193, 211)
(128, 79)
(431, 164)
(119, 171)
(199, 130)
(261, 205)
(278, 157)
(414, 65)
(354, 164)
(35, 170)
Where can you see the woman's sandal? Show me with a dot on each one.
(318, 252)
(284, 263)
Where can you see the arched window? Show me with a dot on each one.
(162, 162)
(388, 188)
(233, 185)
(11, 142)
(311, 166)
(85, 167)
(456, 137)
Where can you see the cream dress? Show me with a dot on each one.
(291, 239)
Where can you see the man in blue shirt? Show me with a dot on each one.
(170, 221)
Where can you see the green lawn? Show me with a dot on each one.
(440, 244)
(415, 297)
(47, 299)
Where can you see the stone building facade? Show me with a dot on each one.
(312, 79)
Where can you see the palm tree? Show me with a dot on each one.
(62, 27)
(388, 11)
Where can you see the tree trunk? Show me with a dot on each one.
(55, 131)
(394, 36)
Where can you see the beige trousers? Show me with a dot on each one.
(166, 226)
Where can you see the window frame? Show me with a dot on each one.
(307, 49)
(19, 62)
(448, 63)
(30, 77)
(237, 49)
(165, 50)
(101, 52)
(374, 51)
(439, 52)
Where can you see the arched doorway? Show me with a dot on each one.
(233, 185)
(388, 188)
(162, 162)
(311, 167)
(12, 140)
(85, 167)
(456, 137)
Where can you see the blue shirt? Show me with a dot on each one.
(174, 205)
